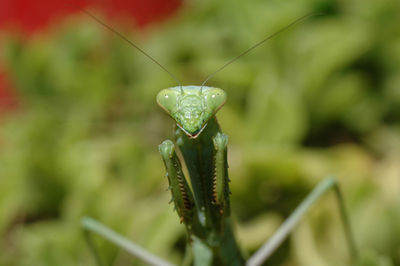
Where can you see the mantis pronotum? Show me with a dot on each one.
(204, 206)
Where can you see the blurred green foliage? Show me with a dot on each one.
(322, 98)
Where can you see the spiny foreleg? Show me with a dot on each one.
(181, 193)
(221, 179)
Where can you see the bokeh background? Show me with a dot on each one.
(79, 126)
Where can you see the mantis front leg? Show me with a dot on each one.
(221, 180)
(181, 194)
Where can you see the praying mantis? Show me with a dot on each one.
(203, 205)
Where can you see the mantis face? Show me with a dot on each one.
(191, 106)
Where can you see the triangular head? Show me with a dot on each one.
(191, 106)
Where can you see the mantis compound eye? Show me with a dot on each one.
(214, 99)
(167, 99)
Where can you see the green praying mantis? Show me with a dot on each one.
(203, 206)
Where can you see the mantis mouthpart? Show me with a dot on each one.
(204, 206)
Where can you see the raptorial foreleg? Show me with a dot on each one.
(221, 179)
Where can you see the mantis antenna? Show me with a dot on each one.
(259, 43)
(133, 44)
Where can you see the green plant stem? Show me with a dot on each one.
(285, 229)
(91, 225)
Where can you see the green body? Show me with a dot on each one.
(203, 208)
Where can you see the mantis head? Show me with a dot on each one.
(191, 106)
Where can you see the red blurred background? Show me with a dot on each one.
(30, 17)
